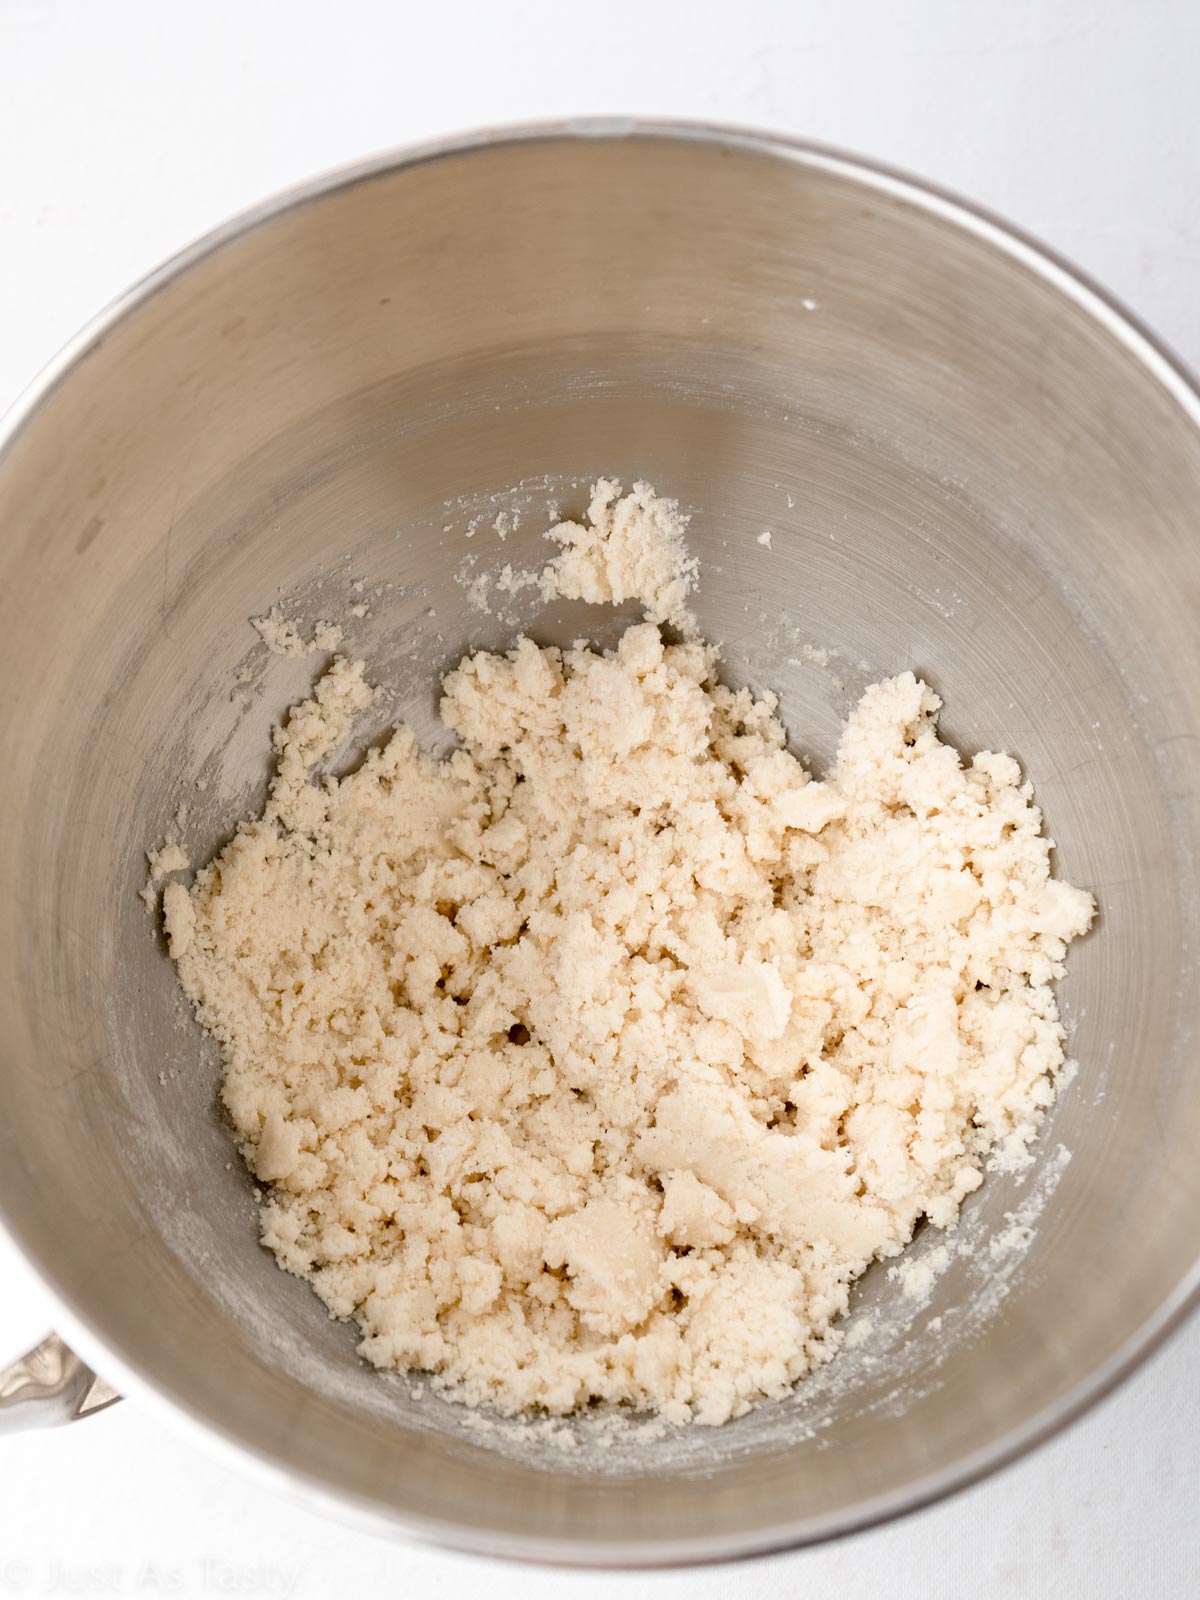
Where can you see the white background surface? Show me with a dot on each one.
(128, 128)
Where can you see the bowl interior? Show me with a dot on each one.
(966, 469)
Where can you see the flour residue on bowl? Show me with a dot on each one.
(598, 1060)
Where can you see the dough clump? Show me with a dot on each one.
(597, 1060)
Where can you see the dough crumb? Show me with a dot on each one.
(168, 858)
(629, 547)
(917, 1278)
(596, 1061)
(162, 860)
(282, 635)
(179, 919)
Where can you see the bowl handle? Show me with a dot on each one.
(50, 1385)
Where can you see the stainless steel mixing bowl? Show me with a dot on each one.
(971, 462)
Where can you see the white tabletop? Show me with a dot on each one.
(128, 127)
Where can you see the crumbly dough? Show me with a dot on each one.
(599, 1059)
(282, 636)
(162, 860)
(629, 547)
